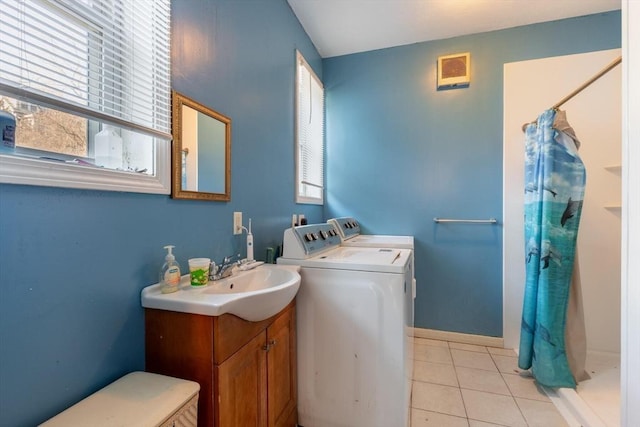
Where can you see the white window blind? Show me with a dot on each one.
(101, 59)
(107, 61)
(309, 134)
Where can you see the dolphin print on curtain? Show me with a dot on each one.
(554, 189)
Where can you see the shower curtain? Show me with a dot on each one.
(554, 189)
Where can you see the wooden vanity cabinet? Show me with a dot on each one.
(246, 370)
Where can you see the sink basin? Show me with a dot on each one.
(253, 295)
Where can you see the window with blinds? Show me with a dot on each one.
(88, 82)
(309, 134)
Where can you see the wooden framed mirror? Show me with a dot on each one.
(201, 154)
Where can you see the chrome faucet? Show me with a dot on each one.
(224, 269)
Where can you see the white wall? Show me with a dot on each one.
(595, 114)
(630, 355)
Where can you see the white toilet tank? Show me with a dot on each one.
(139, 399)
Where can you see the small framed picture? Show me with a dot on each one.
(454, 70)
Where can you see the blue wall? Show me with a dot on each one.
(73, 262)
(400, 153)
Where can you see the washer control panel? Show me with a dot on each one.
(347, 227)
(307, 240)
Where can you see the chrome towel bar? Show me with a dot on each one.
(466, 221)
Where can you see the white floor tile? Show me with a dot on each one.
(476, 423)
(420, 418)
(428, 353)
(541, 414)
(468, 347)
(471, 359)
(481, 380)
(464, 385)
(492, 408)
(525, 386)
(437, 398)
(502, 351)
(507, 364)
(437, 373)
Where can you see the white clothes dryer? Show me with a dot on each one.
(349, 230)
(355, 341)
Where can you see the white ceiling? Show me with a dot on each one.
(340, 27)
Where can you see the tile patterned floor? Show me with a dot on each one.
(463, 385)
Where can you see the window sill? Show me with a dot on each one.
(301, 200)
(51, 173)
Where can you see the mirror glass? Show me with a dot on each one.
(201, 158)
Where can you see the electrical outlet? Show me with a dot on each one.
(237, 223)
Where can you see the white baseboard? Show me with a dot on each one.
(458, 337)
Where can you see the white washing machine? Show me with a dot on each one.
(355, 347)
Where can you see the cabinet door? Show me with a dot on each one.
(242, 385)
(281, 368)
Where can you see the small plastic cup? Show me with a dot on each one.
(199, 271)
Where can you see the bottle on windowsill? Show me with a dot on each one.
(7, 132)
(108, 148)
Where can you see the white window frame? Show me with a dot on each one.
(34, 170)
(301, 186)
(53, 173)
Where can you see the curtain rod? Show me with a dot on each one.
(582, 87)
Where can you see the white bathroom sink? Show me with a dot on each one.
(252, 295)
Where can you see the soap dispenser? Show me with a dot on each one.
(170, 273)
